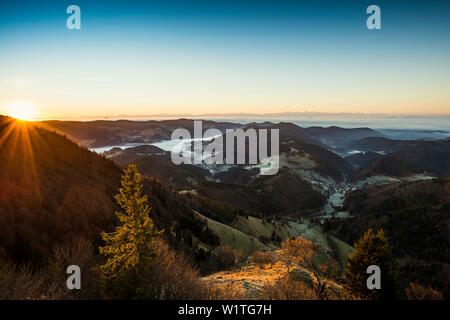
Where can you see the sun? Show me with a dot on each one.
(22, 110)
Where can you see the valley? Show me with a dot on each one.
(212, 211)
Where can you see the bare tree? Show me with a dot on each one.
(299, 252)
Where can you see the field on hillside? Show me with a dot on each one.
(252, 234)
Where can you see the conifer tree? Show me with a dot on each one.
(372, 249)
(131, 248)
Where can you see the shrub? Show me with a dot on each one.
(288, 288)
(418, 292)
(227, 257)
(263, 258)
(173, 277)
(49, 282)
(303, 253)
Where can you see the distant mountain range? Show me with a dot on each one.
(112, 133)
(430, 156)
(338, 140)
(331, 137)
(109, 133)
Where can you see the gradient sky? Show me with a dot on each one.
(193, 57)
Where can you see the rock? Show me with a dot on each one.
(304, 276)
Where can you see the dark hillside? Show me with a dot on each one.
(284, 193)
(51, 190)
(432, 156)
(157, 163)
(415, 216)
(388, 165)
(362, 159)
(327, 163)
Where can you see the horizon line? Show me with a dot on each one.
(242, 115)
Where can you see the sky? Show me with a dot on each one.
(196, 57)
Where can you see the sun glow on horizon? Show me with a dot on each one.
(22, 110)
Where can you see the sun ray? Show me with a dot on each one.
(8, 126)
(17, 146)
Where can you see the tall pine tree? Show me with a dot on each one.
(372, 249)
(131, 248)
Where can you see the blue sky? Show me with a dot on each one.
(151, 57)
